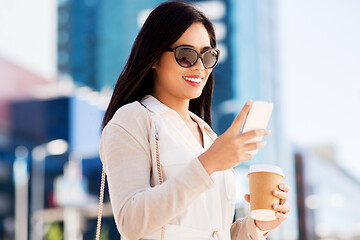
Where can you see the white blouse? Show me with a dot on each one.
(192, 204)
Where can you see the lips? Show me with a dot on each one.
(193, 78)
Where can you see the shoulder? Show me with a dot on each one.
(128, 129)
(131, 117)
(129, 111)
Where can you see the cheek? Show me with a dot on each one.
(208, 72)
(167, 72)
(167, 66)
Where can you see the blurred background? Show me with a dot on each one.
(59, 61)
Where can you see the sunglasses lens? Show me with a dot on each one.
(186, 57)
(210, 58)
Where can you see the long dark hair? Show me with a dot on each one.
(162, 28)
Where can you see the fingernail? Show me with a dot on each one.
(281, 186)
(248, 102)
(268, 131)
(262, 144)
(276, 192)
(276, 206)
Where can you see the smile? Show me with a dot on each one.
(193, 79)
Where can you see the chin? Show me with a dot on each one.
(195, 95)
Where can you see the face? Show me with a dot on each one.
(173, 82)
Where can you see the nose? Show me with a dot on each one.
(199, 64)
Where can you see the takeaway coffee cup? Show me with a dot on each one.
(263, 180)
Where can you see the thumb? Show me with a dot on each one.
(239, 119)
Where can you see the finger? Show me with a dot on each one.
(239, 120)
(245, 157)
(281, 208)
(254, 134)
(247, 197)
(252, 146)
(281, 216)
(280, 194)
(284, 187)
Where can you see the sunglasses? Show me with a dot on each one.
(187, 56)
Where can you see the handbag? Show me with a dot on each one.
(102, 187)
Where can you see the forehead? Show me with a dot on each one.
(196, 35)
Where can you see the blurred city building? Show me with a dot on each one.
(327, 198)
(18, 83)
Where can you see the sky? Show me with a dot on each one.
(318, 54)
(28, 35)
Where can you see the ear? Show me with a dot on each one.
(154, 66)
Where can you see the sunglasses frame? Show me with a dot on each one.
(199, 55)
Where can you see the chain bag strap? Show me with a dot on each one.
(101, 201)
(159, 174)
(102, 187)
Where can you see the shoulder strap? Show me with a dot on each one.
(158, 165)
(101, 201)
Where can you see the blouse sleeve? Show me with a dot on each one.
(138, 208)
(245, 228)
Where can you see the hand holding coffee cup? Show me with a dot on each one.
(267, 195)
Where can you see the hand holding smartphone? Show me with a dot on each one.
(258, 118)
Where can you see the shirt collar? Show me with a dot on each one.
(154, 105)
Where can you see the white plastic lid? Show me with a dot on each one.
(266, 168)
(263, 215)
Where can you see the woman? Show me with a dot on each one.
(160, 109)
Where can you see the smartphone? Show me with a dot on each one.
(258, 118)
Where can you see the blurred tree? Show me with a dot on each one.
(104, 233)
(55, 232)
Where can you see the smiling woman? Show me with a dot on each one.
(169, 175)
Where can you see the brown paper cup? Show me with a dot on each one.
(263, 180)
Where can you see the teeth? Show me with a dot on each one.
(197, 80)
